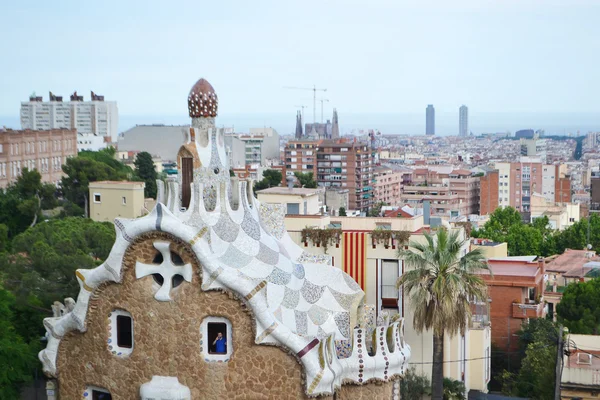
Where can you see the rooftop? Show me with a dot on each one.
(570, 260)
(289, 191)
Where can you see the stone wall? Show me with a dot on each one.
(167, 342)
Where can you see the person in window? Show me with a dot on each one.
(220, 344)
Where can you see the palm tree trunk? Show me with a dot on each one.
(437, 370)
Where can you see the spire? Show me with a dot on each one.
(335, 130)
(299, 125)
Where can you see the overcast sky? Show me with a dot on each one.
(371, 55)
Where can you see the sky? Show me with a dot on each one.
(376, 56)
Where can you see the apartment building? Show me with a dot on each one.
(388, 185)
(255, 147)
(45, 151)
(515, 182)
(94, 116)
(301, 156)
(516, 292)
(375, 266)
(451, 192)
(347, 165)
(580, 378)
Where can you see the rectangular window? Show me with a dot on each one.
(124, 200)
(389, 275)
(217, 335)
(124, 331)
(293, 208)
(97, 198)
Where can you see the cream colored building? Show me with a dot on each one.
(581, 371)
(376, 267)
(489, 248)
(112, 199)
(299, 201)
(560, 215)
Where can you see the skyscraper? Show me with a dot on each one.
(463, 121)
(298, 125)
(335, 130)
(430, 120)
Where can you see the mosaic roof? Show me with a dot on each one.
(298, 300)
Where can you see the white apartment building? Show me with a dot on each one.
(95, 116)
(254, 148)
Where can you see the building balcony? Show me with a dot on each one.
(520, 310)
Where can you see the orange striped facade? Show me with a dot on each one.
(354, 256)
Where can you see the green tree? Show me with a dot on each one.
(3, 238)
(454, 390)
(82, 170)
(579, 308)
(441, 285)
(413, 385)
(271, 178)
(536, 375)
(146, 171)
(306, 179)
(376, 210)
(342, 212)
(44, 258)
(17, 358)
(21, 203)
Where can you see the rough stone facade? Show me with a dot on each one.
(167, 342)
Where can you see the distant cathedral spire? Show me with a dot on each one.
(298, 125)
(335, 130)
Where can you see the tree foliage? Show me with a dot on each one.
(538, 238)
(342, 212)
(579, 308)
(538, 346)
(441, 285)
(375, 211)
(146, 171)
(90, 166)
(271, 178)
(306, 179)
(22, 202)
(17, 357)
(413, 385)
(44, 258)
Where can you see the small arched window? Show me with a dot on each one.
(216, 339)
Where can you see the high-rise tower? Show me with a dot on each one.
(463, 121)
(298, 125)
(335, 130)
(430, 120)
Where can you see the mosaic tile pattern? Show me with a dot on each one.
(279, 277)
(291, 298)
(343, 348)
(301, 322)
(307, 258)
(272, 218)
(311, 292)
(342, 320)
(318, 315)
(268, 256)
(299, 271)
(344, 300)
(235, 258)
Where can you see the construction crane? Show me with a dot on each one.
(322, 100)
(314, 90)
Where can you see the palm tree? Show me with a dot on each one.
(441, 285)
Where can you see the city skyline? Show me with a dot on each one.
(251, 66)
